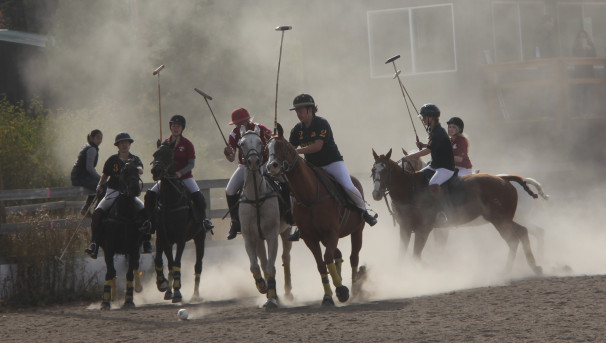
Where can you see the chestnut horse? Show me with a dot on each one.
(319, 216)
(261, 221)
(487, 196)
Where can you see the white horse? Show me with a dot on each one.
(260, 221)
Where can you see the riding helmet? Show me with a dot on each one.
(456, 121)
(123, 136)
(177, 119)
(303, 100)
(430, 110)
(239, 115)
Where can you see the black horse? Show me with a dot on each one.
(175, 224)
(121, 235)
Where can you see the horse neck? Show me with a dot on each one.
(400, 181)
(252, 178)
(303, 182)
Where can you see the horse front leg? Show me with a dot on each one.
(286, 248)
(199, 243)
(110, 279)
(314, 247)
(176, 272)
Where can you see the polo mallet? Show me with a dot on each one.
(157, 72)
(279, 28)
(404, 93)
(206, 98)
(60, 258)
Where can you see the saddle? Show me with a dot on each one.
(334, 188)
(453, 189)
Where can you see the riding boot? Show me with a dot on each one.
(95, 227)
(200, 204)
(89, 201)
(233, 204)
(437, 193)
(369, 218)
(285, 194)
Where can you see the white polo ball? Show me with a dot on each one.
(183, 314)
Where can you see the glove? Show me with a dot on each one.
(228, 151)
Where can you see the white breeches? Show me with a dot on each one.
(110, 197)
(338, 170)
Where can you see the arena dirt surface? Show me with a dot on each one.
(553, 309)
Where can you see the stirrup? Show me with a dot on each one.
(295, 236)
(92, 250)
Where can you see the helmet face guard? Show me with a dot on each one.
(177, 119)
(303, 100)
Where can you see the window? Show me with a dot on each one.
(423, 36)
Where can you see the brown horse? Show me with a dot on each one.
(482, 195)
(319, 216)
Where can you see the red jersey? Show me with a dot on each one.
(182, 153)
(234, 138)
(459, 148)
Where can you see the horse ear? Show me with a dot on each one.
(242, 130)
(374, 154)
(388, 155)
(404, 151)
(280, 131)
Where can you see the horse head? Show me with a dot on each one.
(282, 155)
(163, 164)
(381, 174)
(252, 148)
(130, 182)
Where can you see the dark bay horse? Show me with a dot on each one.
(121, 235)
(261, 222)
(487, 196)
(175, 225)
(319, 216)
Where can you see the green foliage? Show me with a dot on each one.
(25, 147)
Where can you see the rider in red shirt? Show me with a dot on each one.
(184, 156)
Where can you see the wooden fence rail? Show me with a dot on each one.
(80, 192)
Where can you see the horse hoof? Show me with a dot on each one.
(162, 285)
(168, 295)
(105, 306)
(342, 293)
(128, 305)
(271, 304)
(327, 301)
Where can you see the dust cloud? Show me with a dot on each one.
(100, 71)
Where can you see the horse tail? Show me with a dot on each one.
(538, 186)
(522, 182)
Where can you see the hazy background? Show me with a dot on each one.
(100, 69)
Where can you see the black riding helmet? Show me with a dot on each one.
(123, 136)
(303, 100)
(458, 122)
(177, 119)
(430, 110)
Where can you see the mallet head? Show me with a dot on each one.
(158, 69)
(283, 28)
(206, 96)
(392, 59)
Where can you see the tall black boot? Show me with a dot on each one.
(200, 204)
(233, 204)
(95, 227)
